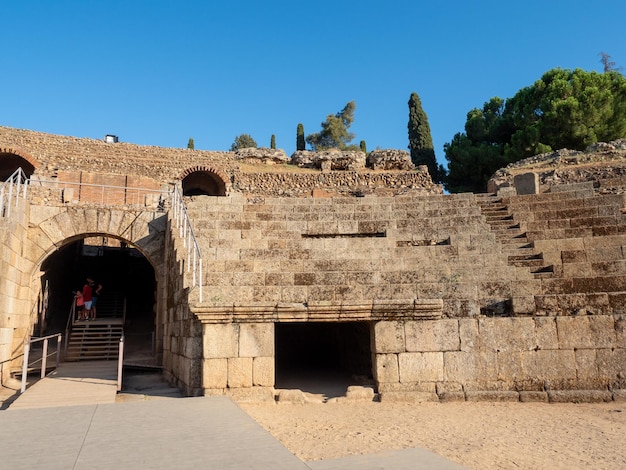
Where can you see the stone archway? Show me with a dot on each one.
(204, 181)
(54, 228)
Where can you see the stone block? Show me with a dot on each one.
(551, 365)
(432, 335)
(408, 397)
(263, 371)
(239, 372)
(468, 334)
(421, 367)
(546, 336)
(533, 396)
(619, 395)
(388, 337)
(580, 396)
(523, 305)
(256, 340)
(611, 364)
(220, 341)
(214, 373)
(291, 397)
(526, 183)
(461, 366)
(492, 396)
(360, 393)
(386, 368)
(596, 331)
(251, 394)
(507, 334)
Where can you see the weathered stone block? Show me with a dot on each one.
(388, 337)
(526, 183)
(586, 332)
(580, 396)
(256, 339)
(546, 336)
(408, 397)
(432, 335)
(533, 396)
(552, 365)
(263, 371)
(507, 334)
(239, 372)
(220, 341)
(468, 334)
(386, 368)
(489, 395)
(214, 373)
(421, 367)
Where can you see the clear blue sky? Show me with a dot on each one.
(157, 72)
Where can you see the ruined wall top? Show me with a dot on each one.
(252, 171)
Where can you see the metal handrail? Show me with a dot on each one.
(44, 356)
(13, 187)
(183, 223)
(120, 364)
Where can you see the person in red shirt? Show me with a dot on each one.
(87, 297)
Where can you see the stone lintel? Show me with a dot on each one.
(377, 310)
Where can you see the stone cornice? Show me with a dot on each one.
(410, 309)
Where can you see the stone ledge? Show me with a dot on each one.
(408, 397)
(497, 396)
(580, 396)
(389, 310)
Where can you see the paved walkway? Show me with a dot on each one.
(72, 383)
(43, 430)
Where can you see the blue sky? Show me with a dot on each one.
(157, 72)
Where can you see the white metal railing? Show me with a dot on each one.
(11, 191)
(44, 356)
(183, 223)
(120, 364)
(75, 192)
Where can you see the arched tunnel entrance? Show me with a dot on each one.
(128, 288)
(10, 162)
(323, 358)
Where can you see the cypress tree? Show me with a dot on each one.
(363, 147)
(420, 140)
(300, 144)
(273, 142)
(190, 144)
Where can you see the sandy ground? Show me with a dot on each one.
(476, 435)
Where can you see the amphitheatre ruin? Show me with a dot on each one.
(239, 273)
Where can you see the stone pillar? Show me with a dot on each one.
(238, 360)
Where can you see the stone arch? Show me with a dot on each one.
(58, 226)
(12, 158)
(201, 180)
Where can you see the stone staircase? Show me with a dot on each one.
(521, 251)
(95, 340)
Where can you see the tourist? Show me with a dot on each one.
(87, 298)
(95, 293)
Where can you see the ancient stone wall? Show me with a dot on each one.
(16, 320)
(529, 359)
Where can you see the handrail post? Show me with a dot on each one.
(59, 342)
(44, 358)
(200, 280)
(25, 365)
(120, 363)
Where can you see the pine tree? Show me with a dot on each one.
(190, 144)
(273, 142)
(420, 140)
(300, 144)
(243, 141)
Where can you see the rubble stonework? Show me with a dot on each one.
(336, 159)
(390, 160)
(464, 296)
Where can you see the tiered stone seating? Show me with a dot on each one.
(353, 250)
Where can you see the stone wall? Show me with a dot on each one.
(528, 359)
(17, 319)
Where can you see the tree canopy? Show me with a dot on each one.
(243, 141)
(334, 133)
(564, 109)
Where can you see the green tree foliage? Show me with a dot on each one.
(273, 142)
(190, 143)
(363, 146)
(334, 133)
(243, 141)
(564, 109)
(300, 143)
(420, 140)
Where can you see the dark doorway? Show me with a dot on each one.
(323, 358)
(10, 162)
(128, 280)
(203, 183)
